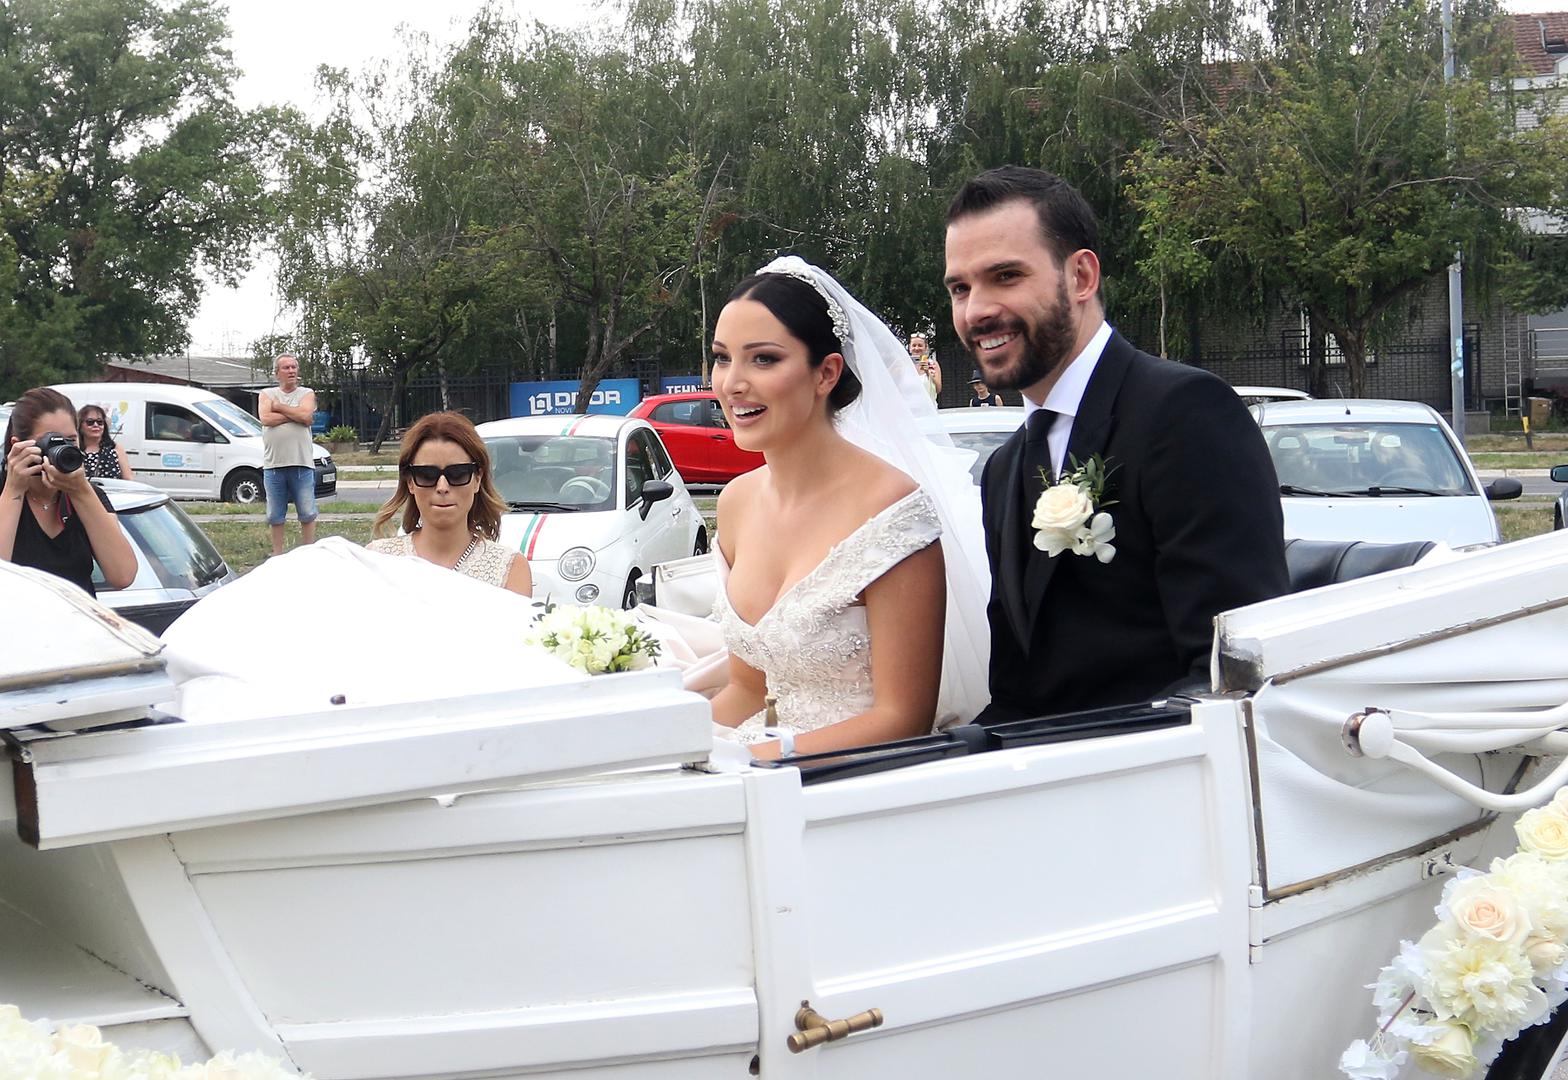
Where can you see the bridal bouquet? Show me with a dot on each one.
(78, 1052)
(1495, 963)
(593, 639)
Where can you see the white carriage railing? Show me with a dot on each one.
(1408, 736)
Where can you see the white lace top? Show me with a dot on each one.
(813, 644)
(485, 561)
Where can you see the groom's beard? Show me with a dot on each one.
(1046, 346)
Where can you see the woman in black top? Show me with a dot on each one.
(105, 457)
(52, 520)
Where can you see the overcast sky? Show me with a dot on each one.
(278, 44)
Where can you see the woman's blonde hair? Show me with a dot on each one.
(484, 517)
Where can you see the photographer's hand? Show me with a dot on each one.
(73, 483)
(22, 463)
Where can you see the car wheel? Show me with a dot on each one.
(701, 546)
(629, 594)
(244, 486)
(1557, 517)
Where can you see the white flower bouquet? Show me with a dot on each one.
(1495, 963)
(593, 639)
(77, 1052)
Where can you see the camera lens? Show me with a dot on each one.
(61, 452)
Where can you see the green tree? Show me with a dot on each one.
(1341, 172)
(125, 168)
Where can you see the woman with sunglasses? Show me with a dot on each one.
(448, 507)
(104, 458)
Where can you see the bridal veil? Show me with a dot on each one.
(895, 419)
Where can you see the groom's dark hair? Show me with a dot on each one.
(1067, 221)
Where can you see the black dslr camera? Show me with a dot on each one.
(60, 452)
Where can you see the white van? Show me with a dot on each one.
(188, 441)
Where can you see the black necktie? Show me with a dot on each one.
(1038, 473)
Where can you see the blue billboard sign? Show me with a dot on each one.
(559, 396)
(681, 384)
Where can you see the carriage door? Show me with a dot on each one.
(1070, 909)
(178, 451)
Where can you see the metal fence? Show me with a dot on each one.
(1408, 370)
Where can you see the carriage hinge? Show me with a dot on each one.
(1254, 923)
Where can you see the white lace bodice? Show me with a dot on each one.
(813, 644)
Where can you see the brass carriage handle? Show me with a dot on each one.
(814, 1029)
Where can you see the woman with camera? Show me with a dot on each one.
(104, 457)
(51, 517)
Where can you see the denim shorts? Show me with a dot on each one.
(290, 484)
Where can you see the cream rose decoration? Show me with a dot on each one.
(1479, 907)
(1062, 508)
(1450, 1054)
(1544, 832)
(1545, 955)
(1480, 982)
(1540, 887)
(83, 1047)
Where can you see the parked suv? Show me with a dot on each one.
(697, 436)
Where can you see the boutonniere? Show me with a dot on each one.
(1070, 514)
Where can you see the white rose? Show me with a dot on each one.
(83, 1047)
(1063, 507)
(1559, 803)
(1450, 1054)
(1480, 907)
(1545, 955)
(1540, 887)
(1544, 832)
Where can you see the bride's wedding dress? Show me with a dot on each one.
(813, 644)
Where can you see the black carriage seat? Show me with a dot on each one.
(1315, 563)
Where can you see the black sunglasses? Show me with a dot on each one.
(430, 475)
(95, 421)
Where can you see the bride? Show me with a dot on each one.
(852, 587)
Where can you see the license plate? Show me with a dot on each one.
(329, 477)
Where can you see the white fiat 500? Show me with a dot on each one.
(594, 504)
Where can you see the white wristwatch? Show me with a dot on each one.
(786, 740)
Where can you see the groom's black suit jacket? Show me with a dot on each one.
(1199, 530)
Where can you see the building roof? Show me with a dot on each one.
(196, 370)
(1533, 32)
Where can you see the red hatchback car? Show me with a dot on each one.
(697, 436)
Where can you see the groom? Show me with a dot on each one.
(1188, 485)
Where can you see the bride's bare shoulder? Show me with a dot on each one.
(740, 492)
(880, 485)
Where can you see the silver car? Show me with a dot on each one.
(176, 565)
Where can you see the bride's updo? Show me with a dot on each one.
(804, 313)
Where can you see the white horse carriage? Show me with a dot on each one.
(533, 880)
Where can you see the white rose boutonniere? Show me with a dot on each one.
(1070, 514)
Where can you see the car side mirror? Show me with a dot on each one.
(655, 491)
(1560, 474)
(203, 433)
(1505, 487)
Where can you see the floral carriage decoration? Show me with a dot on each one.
(1495, 964)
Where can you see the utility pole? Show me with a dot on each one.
(1456, 299)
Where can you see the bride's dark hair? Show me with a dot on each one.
(804, 313)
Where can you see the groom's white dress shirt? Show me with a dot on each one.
(1067, 395)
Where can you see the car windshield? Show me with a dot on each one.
(1365, 459)
(229, 416)
(179, 552)
(983, 443)
(554, 472)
